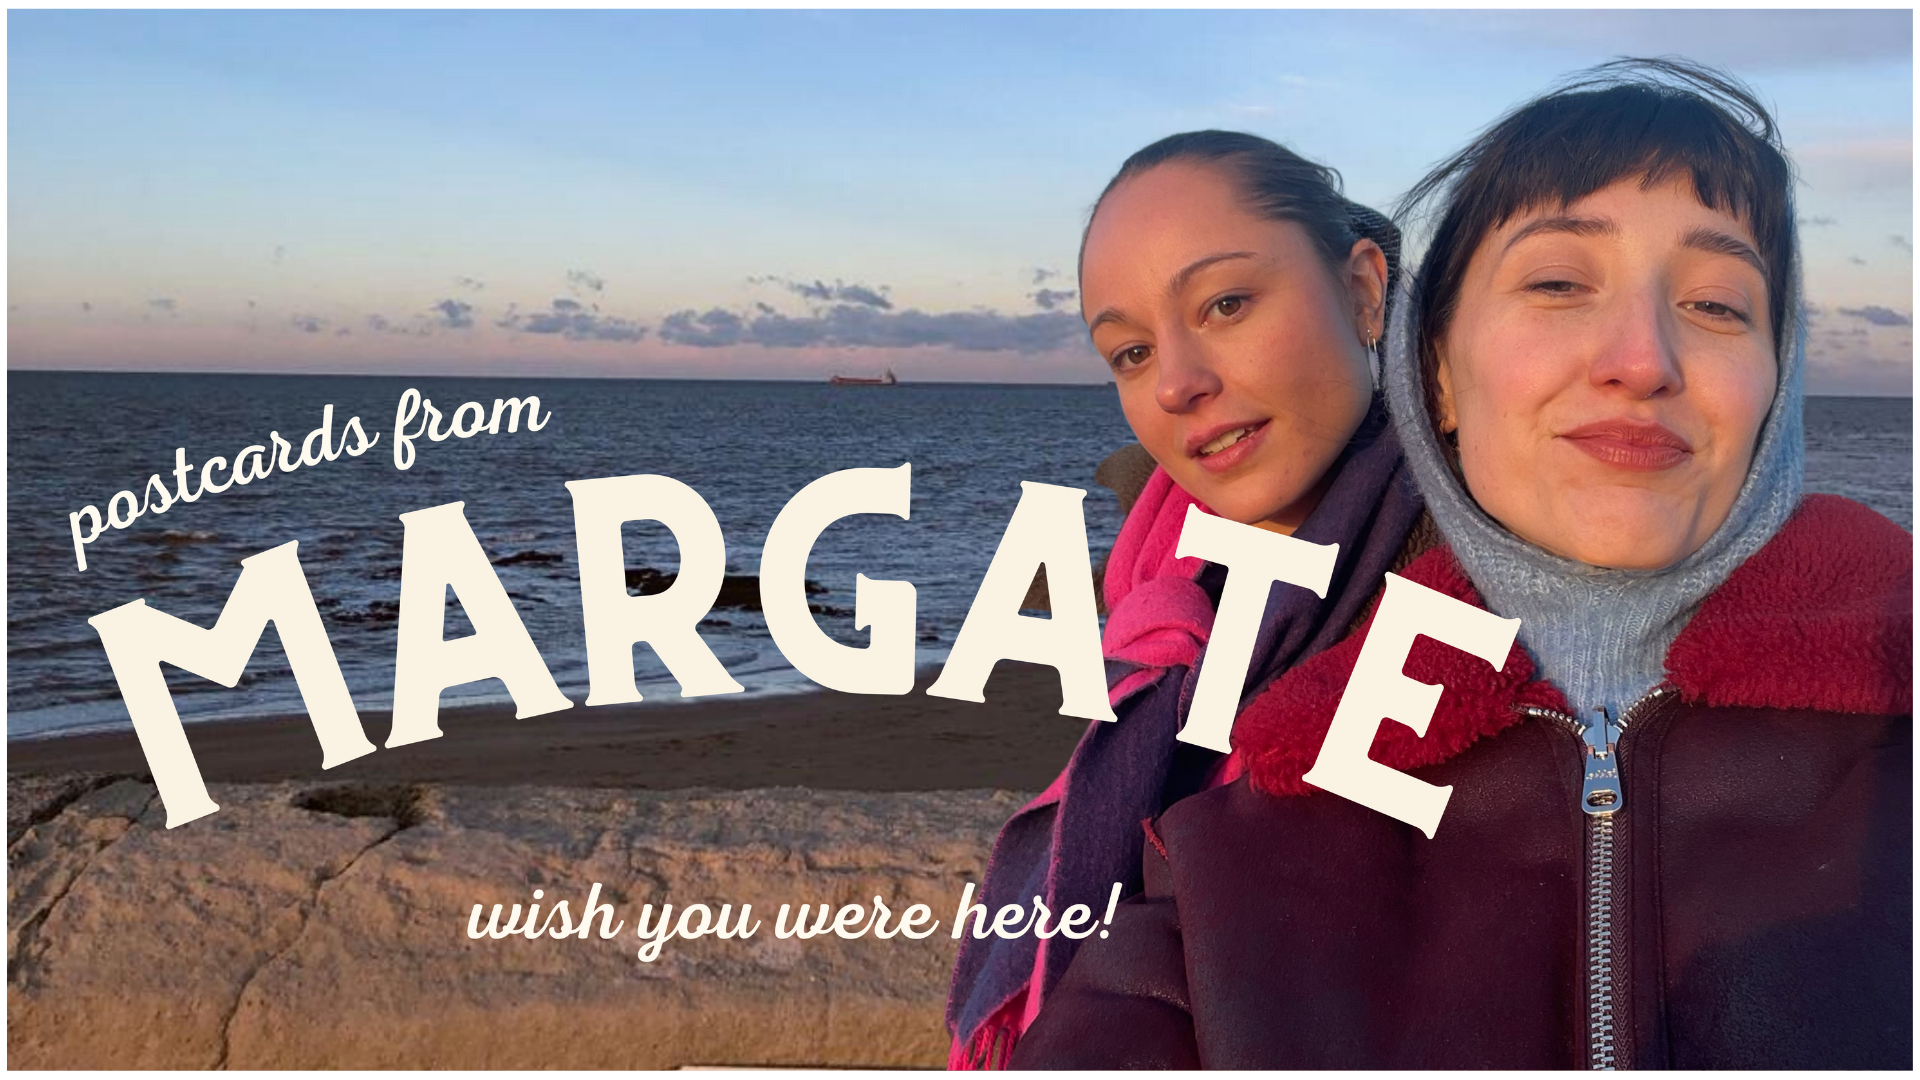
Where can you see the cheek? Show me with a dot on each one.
(1150, 423)
(1501, 383)
(1301, 359)
(1505, 378)
(1745, 393)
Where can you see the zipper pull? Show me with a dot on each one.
(1601, 793)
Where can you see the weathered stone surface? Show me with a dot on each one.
(311, 926)
(1125, 472)
(33, 799)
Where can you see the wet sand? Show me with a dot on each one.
(822, 739)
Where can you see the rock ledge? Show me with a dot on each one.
(325, 926)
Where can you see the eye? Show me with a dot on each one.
(1553, 288)
(1714, 309)
(1130, 357)
(1228, 306)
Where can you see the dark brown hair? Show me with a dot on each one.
(1278, 185)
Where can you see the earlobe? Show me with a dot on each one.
(1367, 268)
(1443, 375)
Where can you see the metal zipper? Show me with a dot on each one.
(1601, 796)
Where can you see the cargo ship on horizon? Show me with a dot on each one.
(889, 379)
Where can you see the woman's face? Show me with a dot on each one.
(1607, 369)
(1240, 359)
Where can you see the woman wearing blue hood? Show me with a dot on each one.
(1680, 830)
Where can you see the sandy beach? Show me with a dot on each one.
(824, 739)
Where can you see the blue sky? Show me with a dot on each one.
(780, 194)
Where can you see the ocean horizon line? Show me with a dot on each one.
(808, 380)
(570, 377)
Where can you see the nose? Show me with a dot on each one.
(1641, 356)
(1186, 374)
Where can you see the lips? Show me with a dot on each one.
(1223, 446)
(1626, 444)
(1220, 436)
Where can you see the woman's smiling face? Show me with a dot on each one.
(1241, 360)
(1607, 369)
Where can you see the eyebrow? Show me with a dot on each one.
(1179, 280)
(1715, 242)
(1174, 284)
(1711, 241)
(1565, 223)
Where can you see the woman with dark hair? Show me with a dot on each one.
(1679, 834)
(1238, 299)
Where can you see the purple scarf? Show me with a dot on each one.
(1084, 833)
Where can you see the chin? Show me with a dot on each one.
(1233, 509)
(1630, 533)
(1244, 507)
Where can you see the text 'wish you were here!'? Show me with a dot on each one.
(1047, 530)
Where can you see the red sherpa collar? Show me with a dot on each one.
(1821, 618)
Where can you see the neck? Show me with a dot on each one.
(1296, 512)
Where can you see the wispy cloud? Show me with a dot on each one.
(586, 281)
(454, 314)
(473, 284)
(1049, 299)
(166, 304)
(572, 320)
(1748, 41)
(1877, 315)
(1902, 243)
(713, 328)
(308, 324)
(862, 326)
(380, 324)
(1866, 349)
(819, 292)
